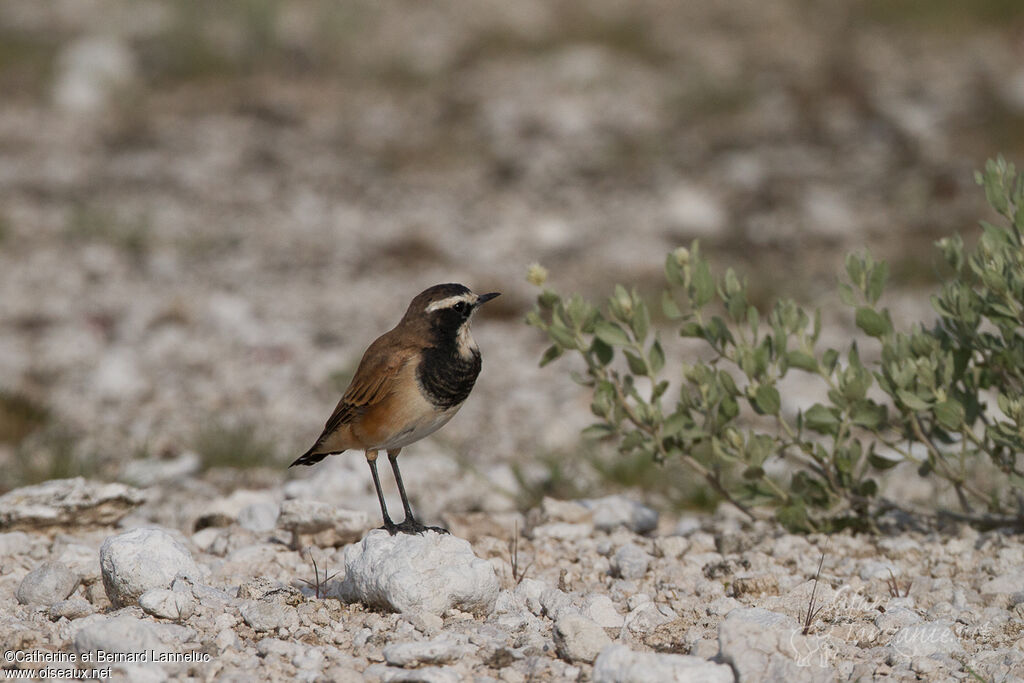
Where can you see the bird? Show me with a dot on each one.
(410, 382)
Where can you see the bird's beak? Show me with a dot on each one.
(484, 298)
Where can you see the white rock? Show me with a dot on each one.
(563, 531)
(67, 503)
(47, 584)
(1007, 583)
(71, 609)
(570, 511)
(439, 651)
(168, 604)
(600, 609)
(259, 516)
(672, 547)
(15, 543)
(693, 212)
(410, 572)
(874, 569)
(531, 591)
(579, 639)
(140, 559)
(922, 640)
(90, 71)
(891, 620)
(152, 471)
(766, 646)
(126, 634)
(611, 512)
(619, 664)
(328, 524)
(644, 618)
(269, 616)
(630, 561)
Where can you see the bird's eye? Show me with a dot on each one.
(460, 307)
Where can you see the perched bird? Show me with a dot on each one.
(410, 382)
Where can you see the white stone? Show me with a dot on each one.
(579, 639)
(269, 616)
(90, 71)
(410, 572)
(922, 640)
(168, 604)
(600, 609)
(47, 584)
(439, 651)
(611, 512)
(619, 664)
(259, 517)
(694, 212)
(140, 559)
(761, 645)
(630, 561)
(329, 524)
(126, 634)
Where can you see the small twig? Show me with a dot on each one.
(812, 613)
(894, 587)
(318, 582)
(513, 551)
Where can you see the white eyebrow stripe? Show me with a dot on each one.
(450, 301)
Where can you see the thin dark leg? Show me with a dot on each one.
(410, 525)
(371, 460)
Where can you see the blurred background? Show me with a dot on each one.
(209, 209)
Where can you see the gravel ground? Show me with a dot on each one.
(601, 589)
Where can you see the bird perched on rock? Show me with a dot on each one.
(410, 382)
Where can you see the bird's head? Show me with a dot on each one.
(446, 310)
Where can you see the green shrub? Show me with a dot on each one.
(926, 400)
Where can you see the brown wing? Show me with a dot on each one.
(373, 382)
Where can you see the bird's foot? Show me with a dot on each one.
(411, 526)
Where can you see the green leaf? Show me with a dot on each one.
(767, 400)
(869, 415)
(801, 360)
(912, 401)
(602, 351)
(597, 431)
(610, 333)
(876, 283)
(637, 365)
(669, 306)
(820, 419)
(753, 472)
(703, 284)
(562, 335)
(872, 322)
(829, 360)
(691, 329)
(641, 321)
(880, 462)
(949, 413)
(675, 423)
(550, 354)
(656, 357)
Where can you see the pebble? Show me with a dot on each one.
(579, 639)
(140, 559)
(617, 664)
(49, 583)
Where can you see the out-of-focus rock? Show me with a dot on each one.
(91, 71)
(321, 524)
(47, 584)
(619, 664)
(67, 503)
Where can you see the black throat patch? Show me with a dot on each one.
(445, 376)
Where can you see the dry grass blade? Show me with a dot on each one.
(318, 583)
(513, 551)
(812, 613)
(894, 587)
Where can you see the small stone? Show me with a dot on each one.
(563, 531)
(630, 562)
(71, 609)
(153, 471)
(126, 634)
(168, 604)
(315, 523)
(578, 639)
(875, 569)
(601, 610)
(672, 547)
(570, 511)
(140, 559)
(922, 640)
(612, 512)
(417, 572)
(420, 653)
(259, 517)
(1007, 583)
(269, 616)
(619, 664)
(47, 584)
(764, 584)
(893, 619)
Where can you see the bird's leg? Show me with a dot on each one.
(410, 525)
(371, 460)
